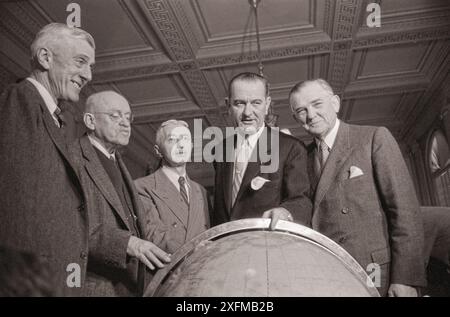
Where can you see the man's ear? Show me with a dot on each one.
(336, 102)
(157, 151)
(268, 101)
(44, 57)
(89, 121)
(227, 103)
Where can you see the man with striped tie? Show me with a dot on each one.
(364, 197)
(178, 206)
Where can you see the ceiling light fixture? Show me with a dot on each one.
(271, 118)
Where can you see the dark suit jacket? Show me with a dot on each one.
(374, 216)
(172, 223)
(288, 186)
(436, 223)
(110, 271)
(41, 200)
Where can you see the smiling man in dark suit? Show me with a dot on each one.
(118, 253)
(250, 182)
(41, 202)
(364, 198)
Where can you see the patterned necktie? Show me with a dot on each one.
(320, 158)
(324, 152)
(59, 117)
(183, 192)
(239, 167)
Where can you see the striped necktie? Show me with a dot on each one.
(59, 117)
(240, 164)
(183, 192)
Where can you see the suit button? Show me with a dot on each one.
(81, 207)
(345, 210)
(174, 225)
(83, 255)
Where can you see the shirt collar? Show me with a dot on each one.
(101, 148)
(252, 138)
(48, 99)
(173, 176)
(330, 138)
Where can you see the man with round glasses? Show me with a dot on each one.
(118, 252)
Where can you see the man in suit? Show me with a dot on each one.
(245, 186)
(41, 201)
(116, 218)
(177, 205)
(364, 198)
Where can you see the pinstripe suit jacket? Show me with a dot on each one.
(41, 201)
(172, 223)
(374, 216)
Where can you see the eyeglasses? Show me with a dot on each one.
(117, 116)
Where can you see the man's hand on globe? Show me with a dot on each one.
(278, 213)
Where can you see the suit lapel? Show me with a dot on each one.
(338, 155)
(313, 177)
(101, 179)
(131, 189)
(254, 168)
(58, 139)
(55, 133)
(170, 195)
(228, 171)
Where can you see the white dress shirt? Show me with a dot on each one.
(48, 99)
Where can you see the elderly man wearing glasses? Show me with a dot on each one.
(118, 253)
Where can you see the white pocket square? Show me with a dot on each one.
(258, 182)
(355, 171)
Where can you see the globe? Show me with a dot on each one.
(244, 259)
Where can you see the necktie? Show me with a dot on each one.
(324, 152)
(183, 192)
(239, 166)
(59, 117)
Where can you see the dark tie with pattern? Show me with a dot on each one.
(183, 192)
(59, 117)
(324, 152)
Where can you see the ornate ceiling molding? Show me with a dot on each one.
(402, 37)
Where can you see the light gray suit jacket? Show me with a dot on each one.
(374, 216)
(172, 223)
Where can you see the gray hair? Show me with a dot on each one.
(172, 122)
(100, 97)
(299, 86)
(52, 33)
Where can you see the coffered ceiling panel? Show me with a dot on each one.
(403, 6)
(371, 108)
(153, 90)
(111, 28)
(222, 19)
(388, 61)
